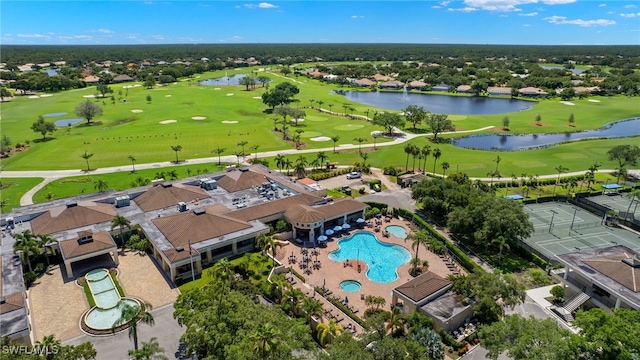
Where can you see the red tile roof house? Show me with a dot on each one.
(122, 78)
(364, 82)
(416, 84)
(465, 89)
(532, 91)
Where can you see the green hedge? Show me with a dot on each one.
(87, 293)
(302, 278)
(117, 283)
(343, 308)
(461, 257)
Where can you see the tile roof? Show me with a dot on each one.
(620, 267)
(273, 207)
(188, 226)
(12, 302)
(303, 214)
(159, 197)
(422, 286)
(341, 206)
(238, 180)
(74, 248)
(63, 218)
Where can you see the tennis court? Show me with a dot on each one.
(562, 228)
(619, 203)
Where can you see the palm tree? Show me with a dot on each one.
(266, 243)
(312, 307)
(415, 152)
(320, 102)
(300, 169)
(43, 240)
(218, 151)
(330, 106)
(369, 301)
(149, 351)
(335, 140)
(255, 148)
(396, 320)
(364, 157)
(408, 149)
(501, 243)
(436, 155)
(360, 140)
(421, 237)
(322, 157)
(238, 155)
(560, 169)
(120, 222)
(133, 163)
(130, 315)
(265, 339)
(280, 159)
(312, 101)
(497, 161)
(50, 344)
(293, 296)
(26, 243)
(86, 156)
(278, 287)
(101, 185)
(324, 330)
(345, 107)
(445, 166)
(491, 174)
(176, 148)
(426, 150)
(375, 136)
(242, 143)
(222, 270)
(288, 164)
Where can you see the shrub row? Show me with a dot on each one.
(460, 255)
(534, 183)
(343, 308)
(318, 175)
(302, 278)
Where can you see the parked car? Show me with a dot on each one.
(354, 175)
(346, 189)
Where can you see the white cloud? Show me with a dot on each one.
(436, 7)
(630, 15)
(529, 14)
(36, 36)
(357, 17)
(562, 20)
(497, 5)
(558, 2)
(444, 3)
(602, 5)
(526, 25)
(464, 9)
(104, 31)
(262, 5)
(504, 16)
(630, 6)
(610, 12)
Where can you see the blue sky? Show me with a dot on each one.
(533, 22)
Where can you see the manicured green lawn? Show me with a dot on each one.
(257, 263)
(13, 189)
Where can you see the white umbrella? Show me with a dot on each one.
(322, 238)
(346, 226)
(360, 220)
(337, 228)
(329, 232)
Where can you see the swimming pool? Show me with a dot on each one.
(397, 231)
(382, 259)
(350, 286)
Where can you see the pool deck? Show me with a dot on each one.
(333, 272)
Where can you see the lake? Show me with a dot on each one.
(618, 129)
(440, 104)
(225, 80)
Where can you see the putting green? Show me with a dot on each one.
(570, 156)
(532, 164)
(310, 134)
(348, 127)
(315, 118)
(457, 117)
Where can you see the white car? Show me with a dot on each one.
(354, 175)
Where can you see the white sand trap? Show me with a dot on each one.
(46, 95)
(320, 138)
(230, 94)
(88, 96)
(590, 100)
(299, 120)
(137, 85)
(198, 118)
(167, 96)
(376, 133)
(217, 88)
(229, 122)
(164, 122)
(136, 111)
(257, 97)
(567, 103)
(127, 87)
(34, 97)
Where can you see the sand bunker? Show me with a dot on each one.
(127, 87)
(230, 94)
(257, 97)
(137, 85)
(229, 122)
(567, 103)
(216, 88)
(34, 97)
(88, 96)
(376, 133)
(46, 95)
(320, 138)
(590, 100)
(167, 96)
(198, 118)
(164, 122)
(297, 120)
(136, 111)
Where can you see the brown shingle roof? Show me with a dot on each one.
(181, 228)
(272, 207)
(613, 267)
(12, 302)
(159, 197)
(73, 248)
(63, 218)
(173, 255)
(364, 82)
(303, 214)
(239, 180)
(341, 206)
(422, 286)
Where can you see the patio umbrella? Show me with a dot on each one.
(346, 226)
(329, 232)
(346, 300)
(322, 238)
(337, 228)
(360, 220)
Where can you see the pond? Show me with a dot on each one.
(225, 80)
(551, 67)
(67, 122)
(440, 104)
(618, 129)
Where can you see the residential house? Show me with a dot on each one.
(532, 92)
(441, 87)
